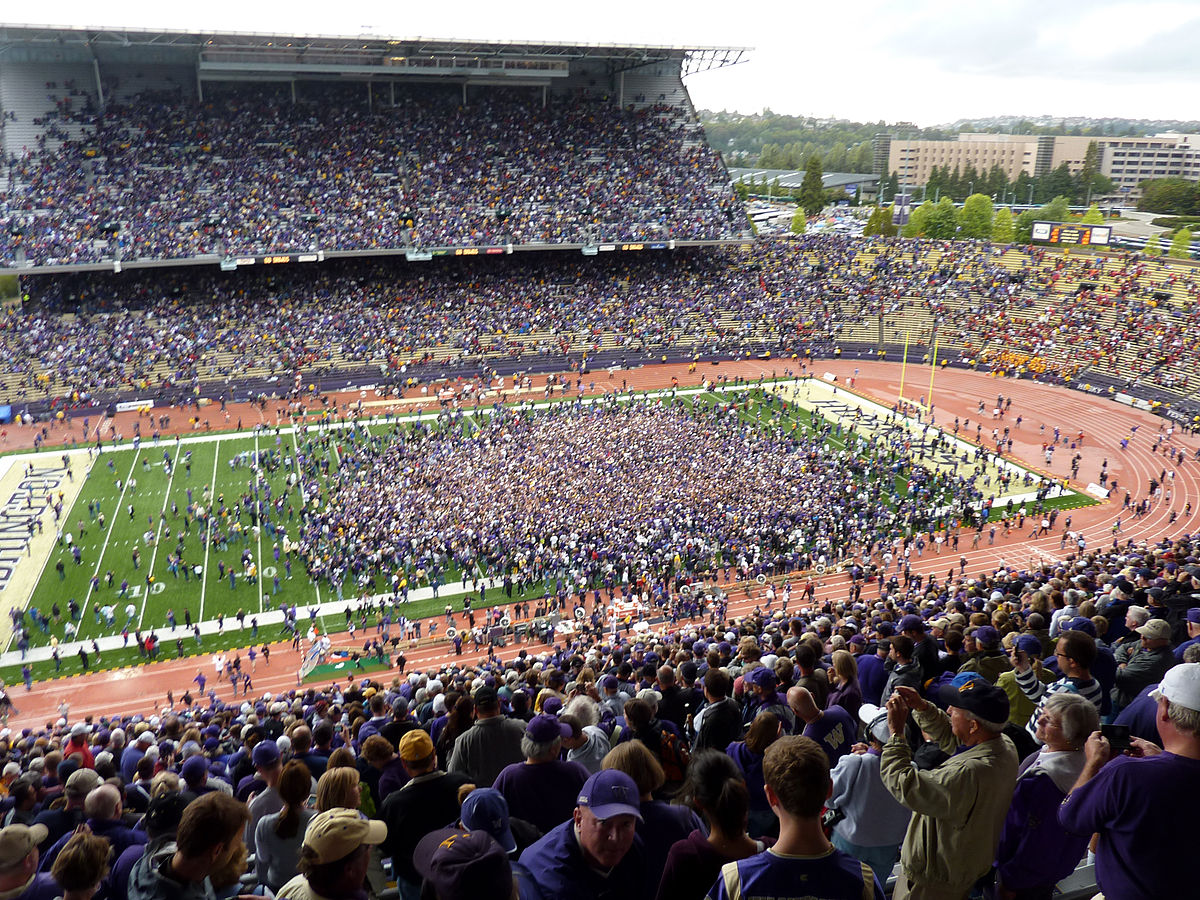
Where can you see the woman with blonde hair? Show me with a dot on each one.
(338, 788)
(845, 691)
(81, 865)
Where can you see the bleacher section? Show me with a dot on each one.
(1009, 309)
(158, 175)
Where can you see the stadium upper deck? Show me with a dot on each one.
(134, 147)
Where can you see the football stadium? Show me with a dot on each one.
(427, 420)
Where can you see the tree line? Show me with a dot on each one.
(979, 219)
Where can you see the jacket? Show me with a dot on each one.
(484, 749)
(1145, 667)
(720, 726)
(147, 881)
(958, 808)
(562, 871)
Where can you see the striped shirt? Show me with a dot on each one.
(1035, 689)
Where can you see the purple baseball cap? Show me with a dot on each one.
(609, 793)
(545, 728)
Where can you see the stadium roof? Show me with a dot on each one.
(104, 42)
(793, 178)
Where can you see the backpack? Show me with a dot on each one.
(673, 754)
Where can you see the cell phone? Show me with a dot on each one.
(1117, 736)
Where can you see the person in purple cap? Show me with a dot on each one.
(542, 789)
(464, 865)
(596, 853)
(989, 660)
(1193, 633)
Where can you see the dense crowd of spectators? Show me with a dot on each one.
(1016, 309)
(251, 172)
(687, 761)
(583, 498)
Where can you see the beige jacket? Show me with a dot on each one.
(959, 807)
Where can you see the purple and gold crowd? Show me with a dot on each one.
(947, 731)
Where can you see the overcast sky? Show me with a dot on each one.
(925, 61)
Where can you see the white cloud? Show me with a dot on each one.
(927, 61)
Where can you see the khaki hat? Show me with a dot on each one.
(335, 834)
(82, 782)
(16, 841)
(1156, 630)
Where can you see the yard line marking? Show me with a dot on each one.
(104, 547)
(207, 529)
(304, 504)
(158, 533)
(257, 517)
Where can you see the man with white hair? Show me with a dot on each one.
(1126, 800)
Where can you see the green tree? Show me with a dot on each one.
(1090, 182)
(1093, 216)
(1002, 226)
(887, 227)
(976, 217)
(1181, 244)
(918, 220)
(889, 187)
(1057, 210)
(1175, 196)
(812, 190)
(943, 220)
(799, 221)
(874, 222)
(1153, 246)
(1059, 182)
(1023, 226)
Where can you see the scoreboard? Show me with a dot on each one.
(1059, 233)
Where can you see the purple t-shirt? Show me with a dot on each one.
(1133, 804)
(770, 874)
(543, 794)
(835, 732)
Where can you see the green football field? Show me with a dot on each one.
(211, 470)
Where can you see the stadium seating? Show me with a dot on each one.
(250, 172)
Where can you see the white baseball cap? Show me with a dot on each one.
(1181, 685)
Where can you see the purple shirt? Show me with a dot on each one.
(1134, 806)
(543, 794)
(772, 874)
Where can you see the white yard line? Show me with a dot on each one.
(158, 533)
(258, 559)
(207, 528)
(304, 506)
(112, 522)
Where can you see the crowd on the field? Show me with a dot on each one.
(249, 172)
(693, 760)
(584, 497)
